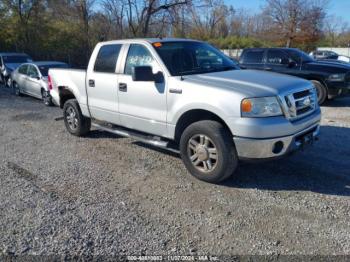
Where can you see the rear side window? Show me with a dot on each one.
(23, 69)
(253, 57)
(107, 57)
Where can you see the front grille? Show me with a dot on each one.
(299, 104)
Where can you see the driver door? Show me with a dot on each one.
(142, 105)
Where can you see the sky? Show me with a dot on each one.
(339, 8)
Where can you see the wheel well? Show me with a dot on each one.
(193, 116)
(65, 94)
(322, 82)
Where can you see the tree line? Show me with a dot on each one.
(67, 30)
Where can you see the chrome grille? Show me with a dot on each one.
(299, 104)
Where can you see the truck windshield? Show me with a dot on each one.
(189, 58)
(16, 59)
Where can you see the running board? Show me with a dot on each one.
(146, 139)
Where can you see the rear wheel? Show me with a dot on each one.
(74, 120)
(321, 91)
(208, 151)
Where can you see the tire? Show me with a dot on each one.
(199, 141)
(321, 91)
(75, 122)
(47, 99)
(16, 89)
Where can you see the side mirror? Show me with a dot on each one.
(142, 73)
(284, 61)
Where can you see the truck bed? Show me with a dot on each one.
(74, 79)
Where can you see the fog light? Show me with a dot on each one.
(277, 147)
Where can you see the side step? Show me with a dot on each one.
(140, 137)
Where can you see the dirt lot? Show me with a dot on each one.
(105, 195)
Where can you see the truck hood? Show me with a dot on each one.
(251, 83)
(327, 66)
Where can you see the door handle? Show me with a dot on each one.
(268, 68)
(123, 87)
(91, 83)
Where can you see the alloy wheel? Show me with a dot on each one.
(72, 118)
(202, 152)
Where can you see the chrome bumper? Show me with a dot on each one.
(250, 148)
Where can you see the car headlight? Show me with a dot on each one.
(337, 77)
(261, 107)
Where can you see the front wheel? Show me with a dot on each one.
(16, 89)
(321, 91)
(46, 97)
(208, 151)
(74, 120)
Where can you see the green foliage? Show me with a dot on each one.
(234, 42)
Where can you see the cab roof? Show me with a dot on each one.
(150, 40)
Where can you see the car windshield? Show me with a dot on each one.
(299, 56)
(189, 58)
(44, 69)
(16, 59)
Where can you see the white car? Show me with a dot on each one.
(32, 79)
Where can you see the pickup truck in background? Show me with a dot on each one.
(188, 97)
(331, 79)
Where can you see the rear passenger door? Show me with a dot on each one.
(102, 84)
(252, 59)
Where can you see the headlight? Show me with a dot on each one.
(261, 107)
(337, 78)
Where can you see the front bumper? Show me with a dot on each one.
(338, 89)
(250, 148)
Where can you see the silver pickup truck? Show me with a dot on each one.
(188, 97)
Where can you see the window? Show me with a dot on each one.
(107, 57)
(138, 55)
(23, 69)
(253, 57)
(191, 57)
(32, 71)
(276, 57)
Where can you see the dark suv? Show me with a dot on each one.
(331, 79)
(9, 62)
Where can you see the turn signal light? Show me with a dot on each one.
(246, 106)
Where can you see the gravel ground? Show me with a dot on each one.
(106, 195)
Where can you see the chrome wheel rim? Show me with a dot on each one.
(202, 153)
(72, 118)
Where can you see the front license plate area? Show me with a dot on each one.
(306, 140)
